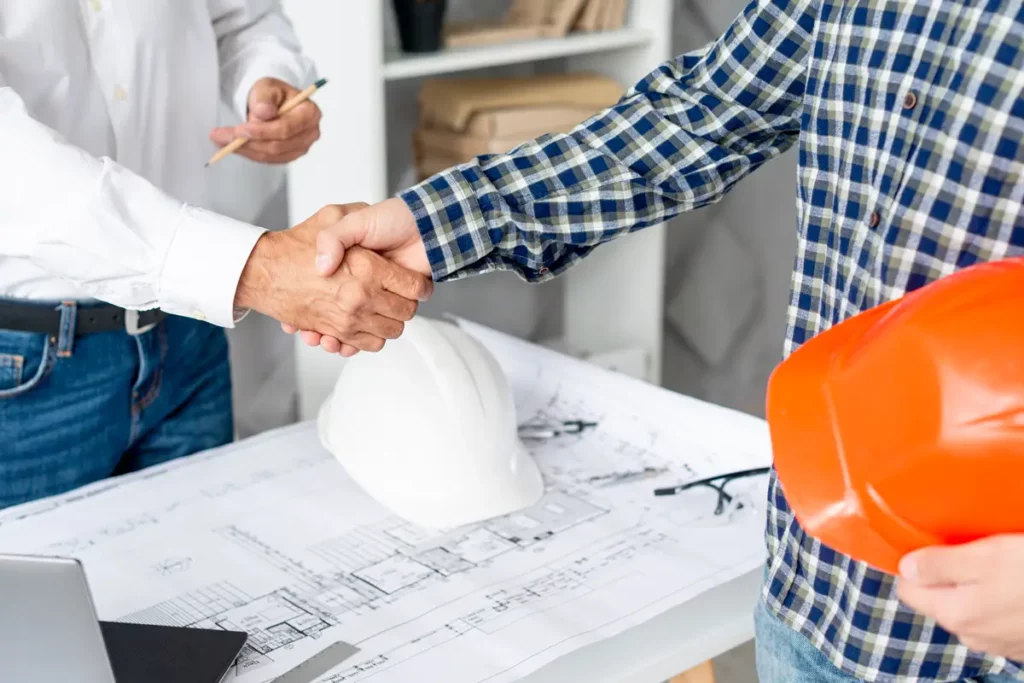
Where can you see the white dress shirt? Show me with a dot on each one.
(105, 113)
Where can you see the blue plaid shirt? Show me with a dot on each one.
(909, 119)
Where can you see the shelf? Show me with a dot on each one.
(398, 66)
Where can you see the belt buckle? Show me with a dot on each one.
(131, 324)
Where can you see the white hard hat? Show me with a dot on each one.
(428, 428)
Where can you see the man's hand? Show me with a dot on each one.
(273, 140)
(364, 303)
(973, 591)
(388, 228)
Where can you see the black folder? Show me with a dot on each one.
(164, 654)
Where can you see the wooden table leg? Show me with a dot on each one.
(703, 673)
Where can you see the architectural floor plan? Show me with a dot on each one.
(270, 537)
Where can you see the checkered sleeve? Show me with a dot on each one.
(678, 140)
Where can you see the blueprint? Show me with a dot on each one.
(271, 537)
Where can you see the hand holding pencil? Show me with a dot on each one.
(283, 124)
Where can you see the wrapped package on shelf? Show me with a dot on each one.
(434, 141)
(526, 19)
(450, 103)
(464, 118)
(526, 122)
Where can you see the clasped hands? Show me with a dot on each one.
(371, 269)
(349, 277)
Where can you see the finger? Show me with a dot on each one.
(222, 135)
(304, 117)
(333, 240)
(406, 283)
(952, 565)
(366, 342)
(347, 351)
(939, 603)
(288, 329)
(311, 338)
(391, 305)
(330, 344)
(385, 328)
(279, 152)
(265, 98)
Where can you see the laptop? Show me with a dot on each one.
(49, 633)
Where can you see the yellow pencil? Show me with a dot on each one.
(238, 143)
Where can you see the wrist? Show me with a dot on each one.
(254, 283)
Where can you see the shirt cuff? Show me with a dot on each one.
(299, 74)
(453, 222)
(202, 268)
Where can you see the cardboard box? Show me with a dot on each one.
(450, 103)
(562, 15)
(520, 122)
(444, 143)
(470, 34)
(525, 19)
(590, 18)
(430, 166)
(610, 16)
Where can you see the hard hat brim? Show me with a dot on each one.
(807, 448)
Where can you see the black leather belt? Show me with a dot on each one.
(89, 319)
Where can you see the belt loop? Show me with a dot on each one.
(66, 340)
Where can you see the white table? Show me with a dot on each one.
(667, 645)
(250, 522)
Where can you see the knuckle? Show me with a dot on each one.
(358, 297)
(346, 329)
(363, 266)
(332, 213)
(408, 310)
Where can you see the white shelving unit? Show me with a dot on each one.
(613, 301)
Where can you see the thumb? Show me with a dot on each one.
(951, 565)
(332, 241)
(265, 99)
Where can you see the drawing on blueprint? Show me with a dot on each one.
(365, 570)
(172, 565)
(271, 537)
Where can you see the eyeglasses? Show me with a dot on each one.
(718, 483)
(543, 431)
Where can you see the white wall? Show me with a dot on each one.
(729, 265)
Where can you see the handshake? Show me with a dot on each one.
(348, 278)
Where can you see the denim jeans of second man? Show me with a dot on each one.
(785, 656)
(77, 410)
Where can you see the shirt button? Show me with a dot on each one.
(96, 5)
(543, 270)
(198, 315)
(910, 101)
(874, 220)
(120, 94)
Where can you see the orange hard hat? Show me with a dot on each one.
(903, 426)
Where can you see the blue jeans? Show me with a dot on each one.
(785, 656)
(77, 410)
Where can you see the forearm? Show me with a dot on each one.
(679, 140)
